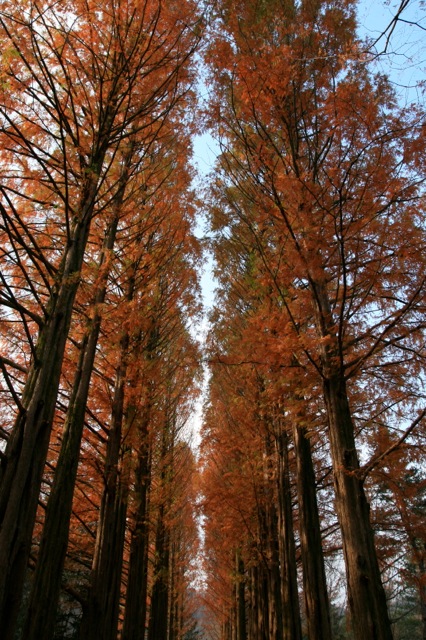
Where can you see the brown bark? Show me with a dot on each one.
(241, 599)
(314, 580)
(160, 591)
(100, 616)
(137, 582)
(366, 595)
(47, 577)
(25, 456)
(292, 628)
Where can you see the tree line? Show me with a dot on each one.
(314, 432)
(303, 514)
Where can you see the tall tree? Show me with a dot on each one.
(78, 81)
(328, 170)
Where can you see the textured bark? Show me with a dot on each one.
(277, 613)
(100, 616)
(137, 582)
(292, 628)
(160, 591)
(367, 599)
(241, 599)
(53, 546)
(26, 452)
(366, 595)
(314, 581)
(253, 622)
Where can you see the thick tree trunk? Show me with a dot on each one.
(292, 628)
(367, 599)
(314, 581)
(26, 452)
(53, 546)
(366, 595)
(137, 581)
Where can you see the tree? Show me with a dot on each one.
(324, 171)
(78, 83)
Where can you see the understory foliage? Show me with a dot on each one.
(303, 514)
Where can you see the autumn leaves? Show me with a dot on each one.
(320, 246)
(98, 271)
(317, 338)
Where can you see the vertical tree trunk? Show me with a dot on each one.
(314, 581)
(160, 590)
(366, 595)
(367, 599)
(100, 616)
(253, 621)
(26, 452)
(241, 598)
(53, 546)
(292, 628)
(277, 614)
(422, 590)
(137, 582)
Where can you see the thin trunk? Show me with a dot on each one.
(160, 590)
(135, 611)
(100, 616)
(160, 595)
(314, 581)
(137, 582)
(422, 592)
(241, 598)
(253, 621)
(172, 634)
(276, 612)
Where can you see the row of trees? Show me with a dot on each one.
(314, 431)
(98, 285)
(315, 425)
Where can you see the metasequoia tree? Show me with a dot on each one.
(79, 82)
(153, 240)
(261, 403)
(248, 485)
(327, 175)
(51, 556)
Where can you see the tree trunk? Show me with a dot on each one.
(100, 616)
(292, 628)
(241, 599)
(47, 578)
(367, 599)
(137, 582)
(366, 595)
(26, 452)
(314, 581)
(160, 590)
